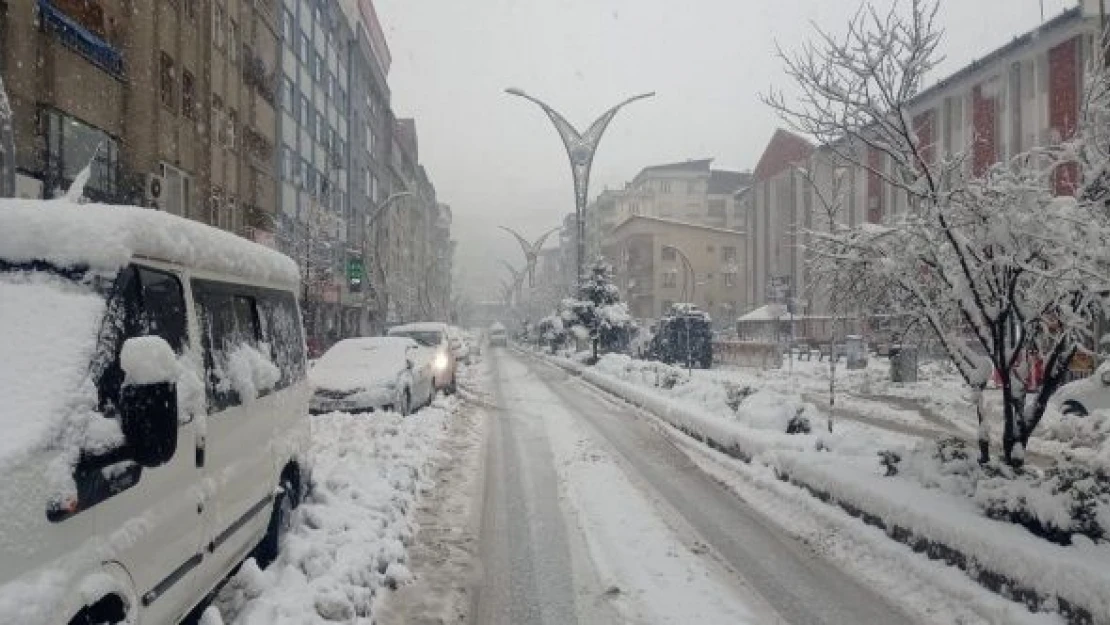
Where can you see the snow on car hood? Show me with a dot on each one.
(48, 330)
(364, 363)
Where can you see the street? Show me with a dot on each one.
(592, 515)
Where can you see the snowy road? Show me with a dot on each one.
(591, 515)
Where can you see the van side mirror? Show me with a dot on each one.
(148, 399)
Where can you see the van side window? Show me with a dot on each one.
(142, 302)
(163, 307)
(281, 328)
(231, 316)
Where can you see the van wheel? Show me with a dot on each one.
(281, 519)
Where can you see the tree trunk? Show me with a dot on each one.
(984, 429)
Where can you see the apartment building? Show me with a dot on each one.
(659, 262)
(689, 191)
(601, 218)
(1022, 95)
(116, 85)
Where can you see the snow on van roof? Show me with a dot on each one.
(107, 237)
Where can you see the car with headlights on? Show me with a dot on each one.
(373, 373)
(434, 339)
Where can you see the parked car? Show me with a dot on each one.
(154, 410)
(498, 336)
(1082, 397)
(433, 337)
(375, 373)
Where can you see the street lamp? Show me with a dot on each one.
(382, 207)
(580, 150)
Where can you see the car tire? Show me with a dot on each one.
(281, 519)
(453, 386)
(1073, 408)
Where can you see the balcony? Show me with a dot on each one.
(80, 39)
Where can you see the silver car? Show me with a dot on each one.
(367, 374)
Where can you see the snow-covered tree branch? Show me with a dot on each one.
(1002, 271)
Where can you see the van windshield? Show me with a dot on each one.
(49, 322)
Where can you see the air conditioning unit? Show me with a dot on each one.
(155, 191)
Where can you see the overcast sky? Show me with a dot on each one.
(497, 160)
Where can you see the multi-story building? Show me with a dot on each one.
(147, 65)
(315, 172)
(689, 191)
(242, 70)
(371, 131)
(601, 218)
(660, 262)
(1020, 96)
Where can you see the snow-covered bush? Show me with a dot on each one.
(1056, 503)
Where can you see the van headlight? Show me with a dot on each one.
(440, 362)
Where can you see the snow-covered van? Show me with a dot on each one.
(153, 411)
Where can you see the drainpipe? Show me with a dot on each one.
(7, 145)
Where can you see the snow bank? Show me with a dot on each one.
(350, 536)
(106, 238)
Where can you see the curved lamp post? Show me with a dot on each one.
(687, 266)
(518, 279)
(580, 150)
(531, 252)
(382, 207)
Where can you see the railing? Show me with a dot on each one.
(80, 39)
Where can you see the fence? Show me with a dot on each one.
(748, 354)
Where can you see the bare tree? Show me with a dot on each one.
(997, 266)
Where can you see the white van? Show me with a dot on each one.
(153, 411)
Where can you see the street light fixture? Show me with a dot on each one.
(580, 150)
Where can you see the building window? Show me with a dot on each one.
(71, 145)
(302, 50)
(288, 27)
(691, 187)
(232, 127)
(218, 32)
(218, 120)
(730, 279)
(188, 95)
(191, 9)
(288, 93)
(665, 186)
(166, 65)
(728, 254)
(670, 279)
(710, 249)
(233, 43)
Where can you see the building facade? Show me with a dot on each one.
(660, 262)
(1020, 96)
(689, 191)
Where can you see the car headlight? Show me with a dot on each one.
(440, 362)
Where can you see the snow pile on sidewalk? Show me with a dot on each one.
(350, 536)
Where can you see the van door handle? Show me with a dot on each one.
(200, 452)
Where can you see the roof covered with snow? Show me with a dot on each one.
(768, 312)
(108, 237)
(722, 182)
(699, 165)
